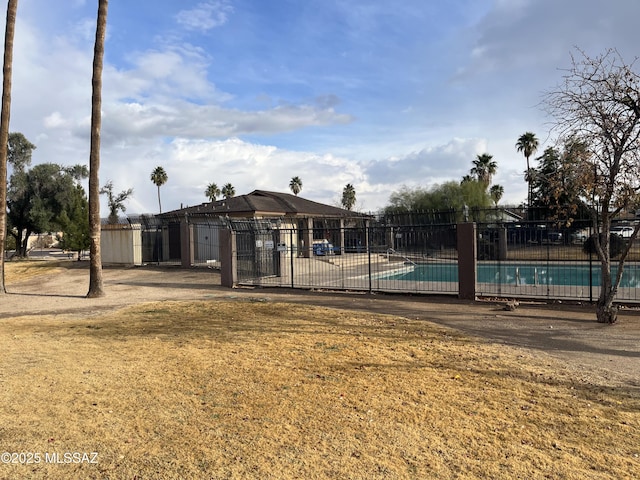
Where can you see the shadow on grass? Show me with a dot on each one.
(332, 332)
(45, 295)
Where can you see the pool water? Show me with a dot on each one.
(518, 274)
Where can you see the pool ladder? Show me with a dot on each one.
(392, 251)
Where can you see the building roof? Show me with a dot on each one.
(261, 203)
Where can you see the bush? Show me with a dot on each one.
(616, 245)
(9, 243)
(487, 250)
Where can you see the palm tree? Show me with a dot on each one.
(348, 196)
(95, 258)
(528, 144)
(484, 167)
(295, 185)
(159, 177)
(467, 179)
(212, 192)
(12, 9)
(228, 191)
(496, 192)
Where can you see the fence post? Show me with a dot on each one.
(186, 243)
(165, 243)
(467, 263)
(367, 227)
(293, 252)
(502, 243)
(228, 259)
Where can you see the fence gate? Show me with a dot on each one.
(257, 257)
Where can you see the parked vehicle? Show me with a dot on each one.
(551, 236)
(580, 236)
(533, 234)
(322, 248)
(623, 231)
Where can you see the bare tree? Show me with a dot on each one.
(598, 104)
(12, 9)
(95, 258)
(115, 201)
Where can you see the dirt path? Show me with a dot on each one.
(602, 354)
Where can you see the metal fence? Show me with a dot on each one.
(368, 258)
(162, 240)
(405, 253)
(541, 259)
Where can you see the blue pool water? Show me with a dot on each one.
(520, 274)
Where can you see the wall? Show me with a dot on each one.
(121, 244)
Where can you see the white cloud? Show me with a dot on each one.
(430, 165)
(191, 164)
(205, 16)
(188, 120)
(365, 98)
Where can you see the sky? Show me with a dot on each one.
(380, 94)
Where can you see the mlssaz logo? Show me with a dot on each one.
(71, 457)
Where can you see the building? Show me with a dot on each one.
(191, 234)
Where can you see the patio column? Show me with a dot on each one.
(307, 248)
(390, 234)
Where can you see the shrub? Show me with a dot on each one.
(616, 245)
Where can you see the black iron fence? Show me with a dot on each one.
(370, 258)
(409, 253)
(551, 260)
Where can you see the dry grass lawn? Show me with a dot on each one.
(250, 389)
(21, 270)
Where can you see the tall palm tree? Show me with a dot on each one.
(228, 191)
(467, 179)
(348, 196)
(95, 258)
(528, 144)
(212, 192)
(159, 177)
(484, 167)
(12, 9)
(496, 192)
(295, 185)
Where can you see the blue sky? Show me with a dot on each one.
(380, 94)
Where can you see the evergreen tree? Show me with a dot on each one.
(74, 224)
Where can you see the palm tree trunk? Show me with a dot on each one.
(12, 9)
(528, 184)
(95, 259)
(159, 204)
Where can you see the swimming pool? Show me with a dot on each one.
(517, 274)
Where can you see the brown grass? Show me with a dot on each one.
(249, 389)
(24, 270)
